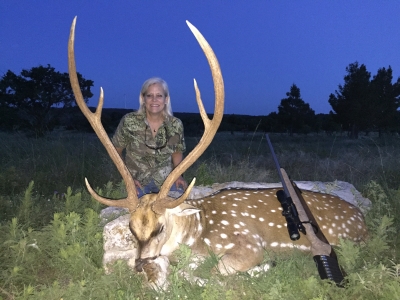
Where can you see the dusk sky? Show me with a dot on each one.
(263, 47)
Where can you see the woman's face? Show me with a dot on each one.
(154, 99)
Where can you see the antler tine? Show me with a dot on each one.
(210, 126)
(94, 119)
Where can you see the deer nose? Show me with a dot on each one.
(140, 262)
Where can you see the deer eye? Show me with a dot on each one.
(161, 229)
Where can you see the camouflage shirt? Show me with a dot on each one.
(149, 157)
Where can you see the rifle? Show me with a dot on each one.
(299, 218)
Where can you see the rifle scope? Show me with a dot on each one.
(289, 211)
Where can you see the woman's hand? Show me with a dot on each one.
(138, 186)
(181, 182)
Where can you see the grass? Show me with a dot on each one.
(51, 239)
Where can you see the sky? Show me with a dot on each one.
(263, 47)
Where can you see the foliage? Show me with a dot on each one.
(294, 113)
(364, 104)
(51, 243)
(31, 96)
(63, 260)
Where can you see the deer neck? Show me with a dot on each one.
(185, 229)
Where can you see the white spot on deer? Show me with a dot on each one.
(229, 246)
(234, 204)
(223, 203)
(303, 247)
(259, 200)
(224, 222)
(223, 235)
(219, 246)
(330, 231)
(253, 216)
(273, 210)
(224, 212)
(261, 219)
(222, 197)
(279, 226)
(242, 224)
(191, 241)
(207, 241)
(214, 212)
(211, 222)
(236, 226)
(244, 214)
(274, 244)
(237, 199)
(271, 224)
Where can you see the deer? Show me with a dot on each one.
(236, 224)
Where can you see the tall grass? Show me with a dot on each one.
(51, 237)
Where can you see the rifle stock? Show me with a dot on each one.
(323, 254)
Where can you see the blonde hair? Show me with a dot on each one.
(154, 80)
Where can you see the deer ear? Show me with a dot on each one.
(184, 210)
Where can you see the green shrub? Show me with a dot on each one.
(51, 243)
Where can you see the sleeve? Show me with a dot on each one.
(119, 139)
(179, 139)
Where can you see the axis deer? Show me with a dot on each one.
(236, 224)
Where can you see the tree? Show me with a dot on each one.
(362, 104)
(351, 100)
(35, 93)
(385, 99)
(294, 113)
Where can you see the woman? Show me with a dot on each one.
(152, 138)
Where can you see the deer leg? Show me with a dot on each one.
(246, 253)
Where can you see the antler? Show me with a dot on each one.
(210, 126)
(131, 201)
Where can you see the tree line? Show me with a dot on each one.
(41, 99)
